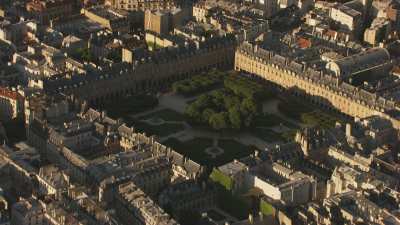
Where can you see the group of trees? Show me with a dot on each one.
(199, 83)
(242, 86)
(83, 54)
(86, 55)
(234, 106)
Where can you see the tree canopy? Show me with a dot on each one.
(199, 83)
(232, 107)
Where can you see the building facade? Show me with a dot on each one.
(324, 90)
(134, 5)
(139, 75)
(11, 104)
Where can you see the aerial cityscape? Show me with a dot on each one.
(199, 112)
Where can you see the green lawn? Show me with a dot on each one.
(263, 123)
(165, 114)
(267, 134)
(293, 108)
(222, 179)
(123, 107)
(160, 130)
(195, 150)
(266, 208)
(307, 114)
(319, 118)
(271, 120)
(232, 150)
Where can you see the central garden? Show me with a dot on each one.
(218, 116)
(234, 106)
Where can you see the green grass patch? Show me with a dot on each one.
(306, 114)
(195, 150)
(159, 130)
(293, 109)
(271, 120)
(232, 150)
(318, 118)
(222, 179)
(123, 107)
(267, 134)
(166, 115)
(266, 208)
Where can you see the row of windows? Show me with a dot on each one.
(278, 77)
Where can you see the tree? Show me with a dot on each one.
(193, 112)
(231, 101)
(235, 118)
(198, 83)
(249, 105)
(218, 98)
(207, 113)
(233, 106)
(218, 121)
(204, 101)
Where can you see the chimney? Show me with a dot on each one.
(348, 130)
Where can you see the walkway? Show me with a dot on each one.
(178, 103)
(175, 102)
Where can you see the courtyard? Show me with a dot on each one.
(277, 122)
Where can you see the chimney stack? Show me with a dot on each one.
(348, 130)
